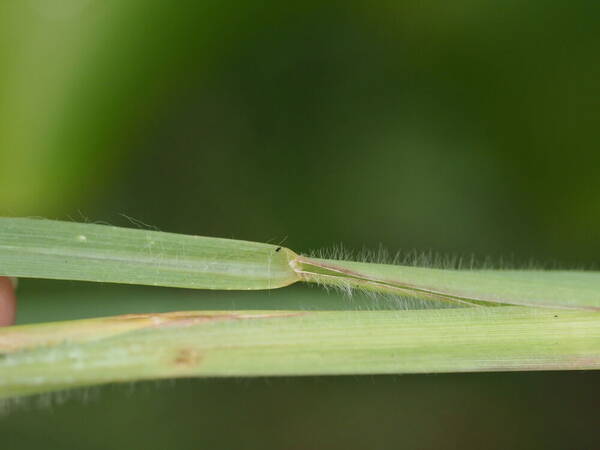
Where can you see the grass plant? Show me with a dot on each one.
(503, 320)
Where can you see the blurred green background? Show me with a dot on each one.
(463, 127)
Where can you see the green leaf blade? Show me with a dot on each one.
(63, 250)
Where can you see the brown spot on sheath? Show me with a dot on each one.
(22, 337)
(189, 318)
(187, 357)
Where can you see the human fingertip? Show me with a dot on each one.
(8, 302)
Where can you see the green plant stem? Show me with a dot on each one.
(550, 289)
(39, 358)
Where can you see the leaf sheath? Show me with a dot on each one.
(38, 358)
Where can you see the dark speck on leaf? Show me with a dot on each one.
(277, 249)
